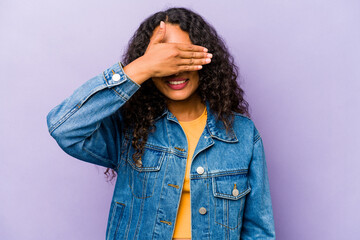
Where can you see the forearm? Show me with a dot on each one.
(87, 113)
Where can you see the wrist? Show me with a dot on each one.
(138, 70)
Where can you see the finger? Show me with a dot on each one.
(191, 47)
(186, 54)
(194, 61)
(187, 68)
(160, 33)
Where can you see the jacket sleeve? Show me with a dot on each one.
(258, 220)
(87, 125)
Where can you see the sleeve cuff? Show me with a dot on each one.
(116, 78)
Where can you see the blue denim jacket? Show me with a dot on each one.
(229, 187)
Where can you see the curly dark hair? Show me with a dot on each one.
(217, 80)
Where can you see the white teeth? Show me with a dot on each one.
(176, 82)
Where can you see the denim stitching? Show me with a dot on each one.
(241, 210)
(198, 152)
(232, 228)
(230, 172)
(158, 207)
(91, 94)
(63, 119)
(225, 140)
(228, 222)
(104, 159)
(140, 217)
(123, 148)
(178, 204)
(208, 193)
(124, 98)
(155, 147)
(144, 184)
(219, 138)
(106, 81)
(72, 111)
(98, 157)
(162, 185)
(219, 174)
(119, 219)
(164, 149)
(144, 180)
(130, 217)
(256, 138)
(148, 169)
(111, 222)
(232, 198)
(125, 152)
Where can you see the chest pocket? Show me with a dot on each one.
(143, 175)
(229, 189)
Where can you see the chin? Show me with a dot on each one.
(177, 97)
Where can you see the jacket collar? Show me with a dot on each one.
(216, 128)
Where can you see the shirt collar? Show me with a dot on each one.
(216, 128)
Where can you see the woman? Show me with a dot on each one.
(171, 122)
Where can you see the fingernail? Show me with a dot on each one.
(162, 24)
(200, 67)
(209, 55)
(208, 60)
(205, 50)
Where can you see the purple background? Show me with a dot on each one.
(299, 64)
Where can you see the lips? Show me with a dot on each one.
(177, 83)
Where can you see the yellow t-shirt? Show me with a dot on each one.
(193, 130)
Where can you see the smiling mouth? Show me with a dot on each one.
(177, 82)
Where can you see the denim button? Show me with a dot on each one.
(200, 170)
(116, 77)
(202, 210)
(235, 192)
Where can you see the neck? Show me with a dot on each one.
(188, 109)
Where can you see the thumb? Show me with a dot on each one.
(160, 33)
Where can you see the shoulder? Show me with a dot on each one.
(244, 126)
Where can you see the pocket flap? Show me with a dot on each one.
(150, 161)
(231, 185)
